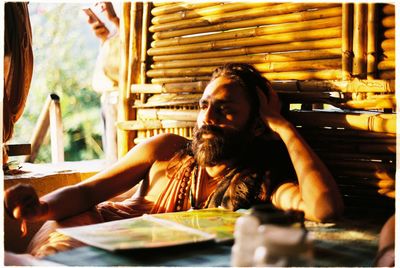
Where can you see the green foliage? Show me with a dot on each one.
(64, 51)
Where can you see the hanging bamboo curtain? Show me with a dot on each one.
(18, 65)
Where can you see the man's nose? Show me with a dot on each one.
(210, 116)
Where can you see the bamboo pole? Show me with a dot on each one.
(359, 41)
(389, 55)
(362, 165)
(389, 103)
(253, 32)
(305, 75)
(303, 45)
(317, 34)
(144, 42)
(387, 65)
(40, 131)
(299, 65)
(171, 88)
(167, 114)
(354, 85)
(347, 33)
(371, 42)
(389, 22)
(368, 122)
(206, 11)
(390, 33)
(347, 148)
(387, 74)
(282, 57)
(56, 131)
(176, 7)
(262, 67)
(166, 80)
(239, 15)
(388, 9)
(388, 44)
(262, 20)
(130, 69)
(363, 136)
(154, 124)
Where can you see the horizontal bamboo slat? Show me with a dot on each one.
(387, 75)
(205, 11)
(307, 70)
(159, 100)
(358, 177)
(167, 114)
(251, 59)
(263, 20)
(388, 44)
(388, 9)
(355, 85)
(368, 122)
(389, 22)
(387, 65)
(390, 33)
(305, 75)
(238, 15)
(253, 32)
(291, 46)
(176, 7)
(154, 124)
(318, 34)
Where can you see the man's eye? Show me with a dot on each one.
(203, 105)
(225, 109)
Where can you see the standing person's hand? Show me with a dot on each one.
(22, 202)
(108, 9)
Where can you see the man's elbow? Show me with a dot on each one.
(328, 211)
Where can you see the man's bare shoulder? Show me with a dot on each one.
(164, 146)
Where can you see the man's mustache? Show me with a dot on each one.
(210, 129)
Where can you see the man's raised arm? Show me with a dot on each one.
(316, 193)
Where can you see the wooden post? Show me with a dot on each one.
(130, 30)
(371, 43)
(40, 130)
(56, 130)
(143, 54)
(347, 33)
(359, 41)
(122, 136)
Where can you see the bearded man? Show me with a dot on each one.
(231, 163)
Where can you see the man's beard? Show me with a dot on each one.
(222, 146)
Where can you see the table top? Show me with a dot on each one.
(346, 243)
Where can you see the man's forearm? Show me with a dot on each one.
(317, 187)
(65, 202)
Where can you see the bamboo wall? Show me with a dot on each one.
(332, 64)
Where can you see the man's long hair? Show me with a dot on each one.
(249, 78)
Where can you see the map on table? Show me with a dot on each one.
(158, 230)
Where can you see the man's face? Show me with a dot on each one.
(223, 130)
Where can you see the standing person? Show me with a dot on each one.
(229, 163)
(106, 75)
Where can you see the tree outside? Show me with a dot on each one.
(65, 52)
